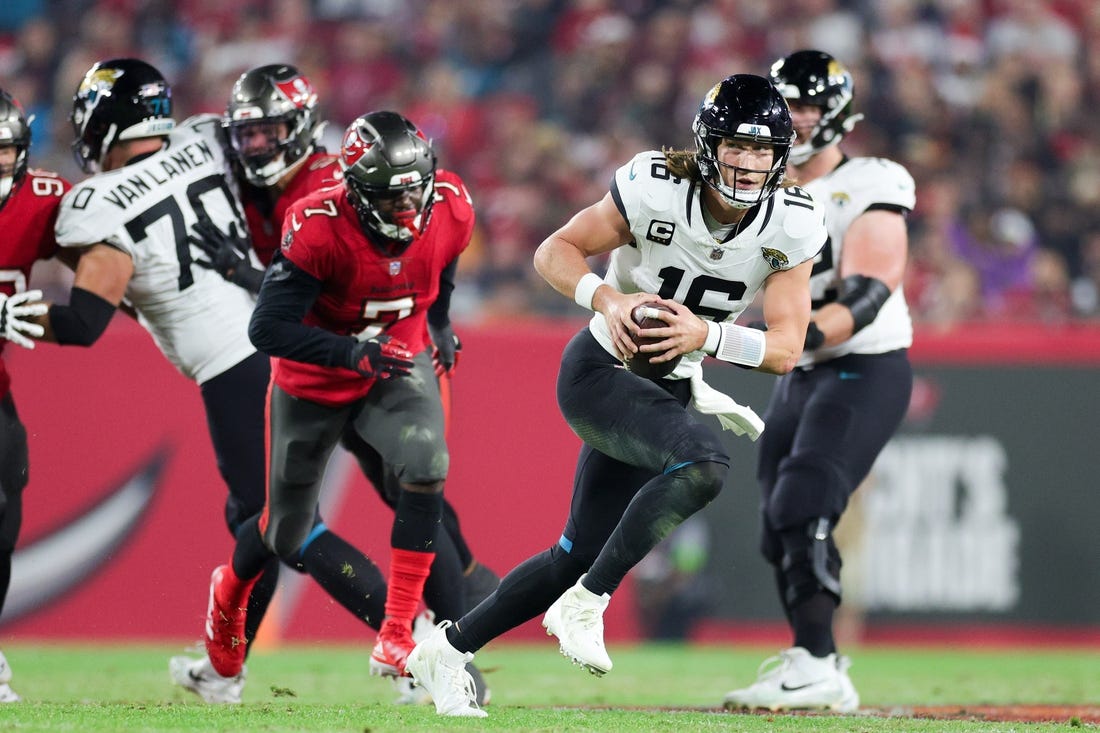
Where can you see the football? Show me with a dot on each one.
(639, 363)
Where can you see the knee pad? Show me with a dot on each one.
(286, 535)
(771, 547)
(807, 486)
(811, 562)
(702, 481)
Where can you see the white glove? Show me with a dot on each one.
(739, 419)
(12, 312)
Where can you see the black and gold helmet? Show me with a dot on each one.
(119, 99)
(815, 77)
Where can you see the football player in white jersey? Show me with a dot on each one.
(830, 417)
(131, 223)
(700, 232)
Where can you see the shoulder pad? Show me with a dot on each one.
(799, 221)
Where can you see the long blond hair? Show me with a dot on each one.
(682, 164)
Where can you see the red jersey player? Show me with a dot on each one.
(29, 201)
(344, 308)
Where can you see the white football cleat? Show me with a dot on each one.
(6, 693)
(576, 618)
(440, 669)
(849, 701)
(796, 680)
(198, 676)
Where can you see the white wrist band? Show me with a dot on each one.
(714, 336)
(741, 345)
(586, 288)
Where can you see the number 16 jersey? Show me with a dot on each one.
(147, 209)
(675, 255)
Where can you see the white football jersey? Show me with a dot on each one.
(146, 209)
(675, 256)
(852, 188)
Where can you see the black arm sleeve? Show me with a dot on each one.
(83, 320)
(439, 314)
(276, 327)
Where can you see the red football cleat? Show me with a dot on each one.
(225, 642)
(392, 649)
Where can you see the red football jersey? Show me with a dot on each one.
(364, 293)
(27, 220)
(319, 170)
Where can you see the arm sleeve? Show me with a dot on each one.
(439, 314)
(83, 320)
(276, 328)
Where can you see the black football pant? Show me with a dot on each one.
(14, 467)
(646, 465)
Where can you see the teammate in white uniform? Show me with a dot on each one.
(829, 418)
(701, 232)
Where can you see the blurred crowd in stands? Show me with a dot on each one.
(988, 103)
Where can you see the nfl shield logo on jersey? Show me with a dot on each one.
(395, 268)
(775, 259)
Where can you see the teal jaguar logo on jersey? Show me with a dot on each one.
(841, 199)
(775, 259)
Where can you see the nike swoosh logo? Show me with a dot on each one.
(71, 555)
(195, 677)
(788, 688)
(632, 175)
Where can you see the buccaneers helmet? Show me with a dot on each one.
(15, 130)
(389, 166)
(120, 99)
(815, 77)
(272, 122)
(743, 107)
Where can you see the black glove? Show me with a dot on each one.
(381, 357)
(227, 253)
(814, 337)
(447, 349)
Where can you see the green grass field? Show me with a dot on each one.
(652, 688)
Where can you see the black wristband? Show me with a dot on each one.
(83, 320)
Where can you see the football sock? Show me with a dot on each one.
(408, 572)
(250, 554)
(454, 531)
(348, 576)
(444, 589)
(524, 593)
(263, 590)
(812, 621)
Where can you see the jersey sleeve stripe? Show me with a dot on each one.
(618, 199)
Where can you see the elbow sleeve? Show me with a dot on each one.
(864, 297)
